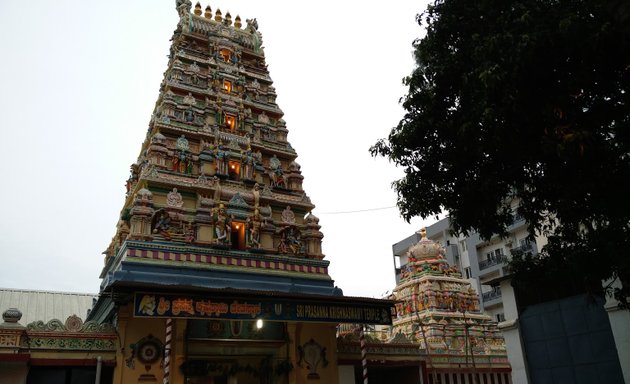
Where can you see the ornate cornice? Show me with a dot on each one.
(73, 324)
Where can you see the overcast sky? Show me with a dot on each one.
(80, 81)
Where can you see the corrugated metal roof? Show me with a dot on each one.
(45, 305)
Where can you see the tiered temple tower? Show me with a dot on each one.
(216, 272)
(216, 183)
(439, 310)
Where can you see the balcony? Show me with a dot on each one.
(524, 249)
(491, 295)
(492, 261)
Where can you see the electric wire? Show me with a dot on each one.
(355, 211)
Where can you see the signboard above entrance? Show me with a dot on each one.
(275, 309)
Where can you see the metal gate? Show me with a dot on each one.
(570, 341)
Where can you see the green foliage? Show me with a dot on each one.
(525, 101)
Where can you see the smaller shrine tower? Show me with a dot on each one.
(439, 310)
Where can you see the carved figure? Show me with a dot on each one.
(182, 162)
(254, 223)
(219, 115)
(276, 175)
(131, 182)
(288, 216)
(256, 193)
(218, 189)
(252, 27)
(248, 165)
(189, 166)
(277, 178)
(222, 160)
(183, 7)
(189, 115)
(162, 224)
(189, 232)
(222, 227)
(290, 241)
(175, 162)
(174, 199)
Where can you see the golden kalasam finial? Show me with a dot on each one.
(208, 13)
(423, 233)
(198, 9)
(228, 18)
(217, 15)
(237, 22)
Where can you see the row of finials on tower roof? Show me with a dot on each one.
(218, 15)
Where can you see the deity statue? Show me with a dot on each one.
(183, 7)
(256, 193)
(254, 223)
(189, 116)
(219, 113)
(189, 232)
(290, 241)
(276, 177)
(248, 165)
(162, 224)
(222, 227)
(222, 160)
(189, 166)
(182, 162)
(175, 162)
(217, 188)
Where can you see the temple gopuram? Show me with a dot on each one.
(215, 273)
(439, 310)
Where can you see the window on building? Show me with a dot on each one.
(227, 86)
(230, 121)
(238, 235)
(468, 272)
(234, 170)
(462, 245)
(500, 317)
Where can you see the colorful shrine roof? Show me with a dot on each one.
(440, 311)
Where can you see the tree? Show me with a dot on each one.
(525, 101)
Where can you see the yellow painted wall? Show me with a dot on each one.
(132, 330)
(324, 335)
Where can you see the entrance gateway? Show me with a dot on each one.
(247, 337)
